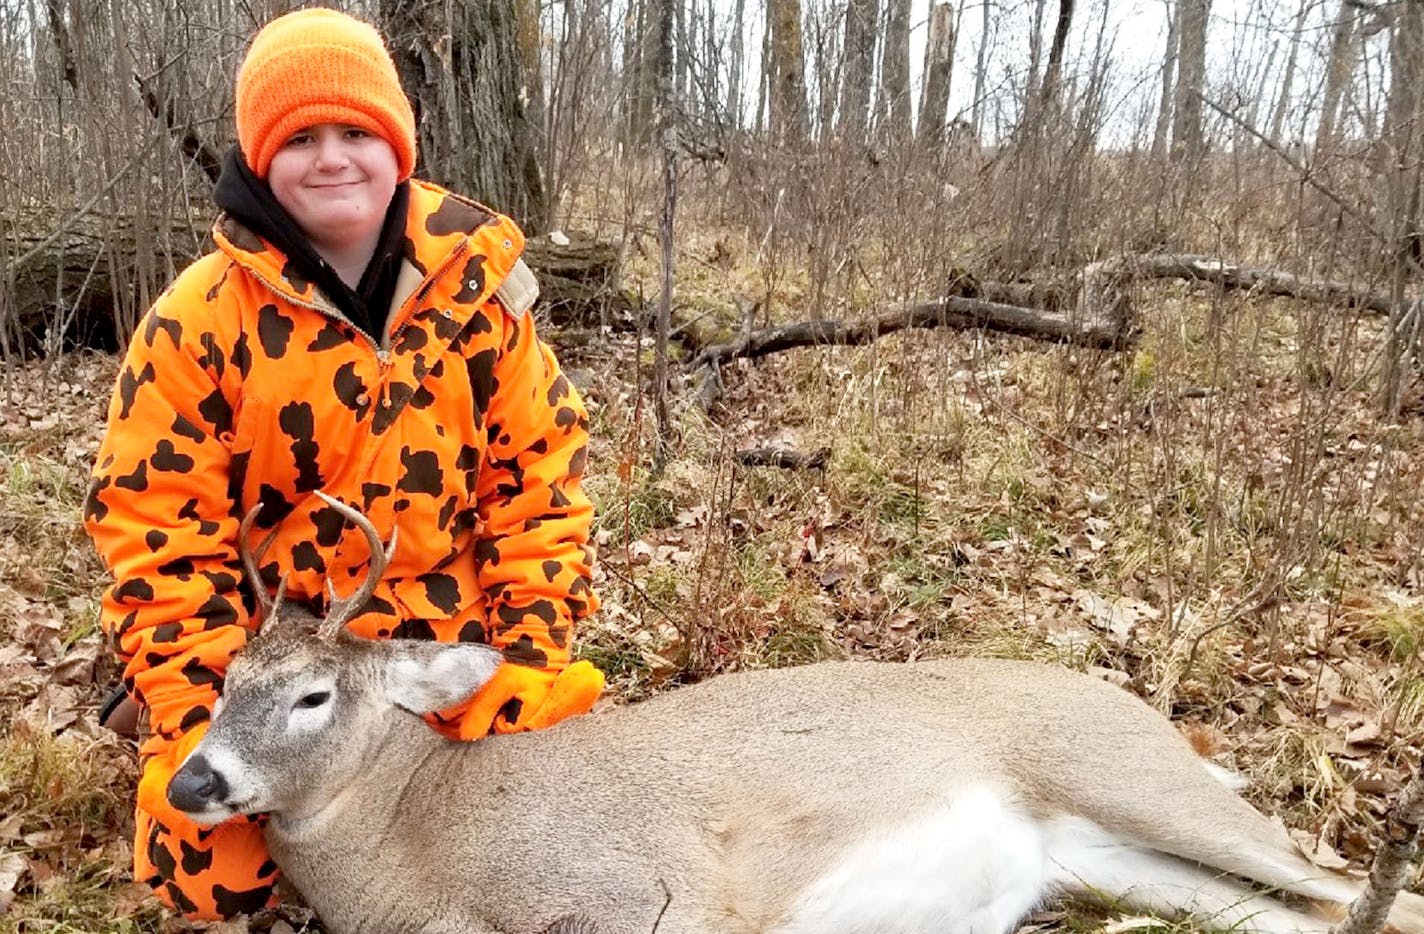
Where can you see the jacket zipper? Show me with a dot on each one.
(383, 353)
(429, 281)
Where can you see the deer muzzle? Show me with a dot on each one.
(196, 788)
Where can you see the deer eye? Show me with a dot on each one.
(314, 699)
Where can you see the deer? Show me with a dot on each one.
(850, 797)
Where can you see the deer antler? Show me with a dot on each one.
(339, 612)
(251, 557)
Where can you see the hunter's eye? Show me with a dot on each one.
(314, 699)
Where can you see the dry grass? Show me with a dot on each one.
(1217, 520)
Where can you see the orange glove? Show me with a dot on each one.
(205, 873)
(158, 772)
(520, 698)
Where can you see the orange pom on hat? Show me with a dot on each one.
(319, 66)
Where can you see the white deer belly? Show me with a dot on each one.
(974, 865)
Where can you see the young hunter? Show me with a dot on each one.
(360, 333)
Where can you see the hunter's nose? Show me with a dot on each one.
(196, 786)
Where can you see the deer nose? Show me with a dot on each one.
(196, 786)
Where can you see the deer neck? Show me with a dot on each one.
(337, 855)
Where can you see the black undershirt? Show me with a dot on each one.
(248, 198)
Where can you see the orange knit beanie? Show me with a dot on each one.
(319, 66)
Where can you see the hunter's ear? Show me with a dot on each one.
(423, 677)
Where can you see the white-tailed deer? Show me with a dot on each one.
(838, 798)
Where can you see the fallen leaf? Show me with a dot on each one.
(12, 867)
(1366, 735)
(1316, 851)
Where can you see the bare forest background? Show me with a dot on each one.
(1080, 330)
(1062, 134)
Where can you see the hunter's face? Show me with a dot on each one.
(336, 182)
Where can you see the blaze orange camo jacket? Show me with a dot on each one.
(243, 385)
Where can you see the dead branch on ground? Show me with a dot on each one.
(1392, 862)
(962, 313)
(1234, 276)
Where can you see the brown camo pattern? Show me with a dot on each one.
(468, 440)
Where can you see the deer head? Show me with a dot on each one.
(306, 705)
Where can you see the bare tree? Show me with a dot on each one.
(859, 57)
(981, 70)
(466, 74)
(738, 58)
(1402, 144)
(529, 39)
(667, 134)
(825, 64)
(1053, 75)
(1283, 98)
(1162, 131)
(1338, 70)
(893, 105)
(939, 68)
(1188, 143)
(787, 67)
(1035, 54)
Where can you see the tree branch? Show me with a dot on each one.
(964, 313)
(1369, 912)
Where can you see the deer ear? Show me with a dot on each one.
(423, 677)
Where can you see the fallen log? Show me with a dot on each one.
(1230, 276)
(578, 280)
(80, 273)
(962, 313)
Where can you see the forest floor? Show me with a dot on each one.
(1216, 520)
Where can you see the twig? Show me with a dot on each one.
(643, 594)
(16, 264)
(1370, 910)
(1306, 174)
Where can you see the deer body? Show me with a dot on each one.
(792, 801)
(842, 798)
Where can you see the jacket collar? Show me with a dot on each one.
(439, 226)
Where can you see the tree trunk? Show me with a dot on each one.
(1402, 178)
(788, 91)
(894, 102)
(981, 70)
(650, 64)
(1278, 115)
(1053, 75)
(682, 49)
(860, 20)
(767, 78)
(1035, 54)
(1338, 71)
(464, 72)
(1187, 142)
(939, 67)
(667, 133)
(1161, 132)
(529, 33)
(826, 65)
(734, 90)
